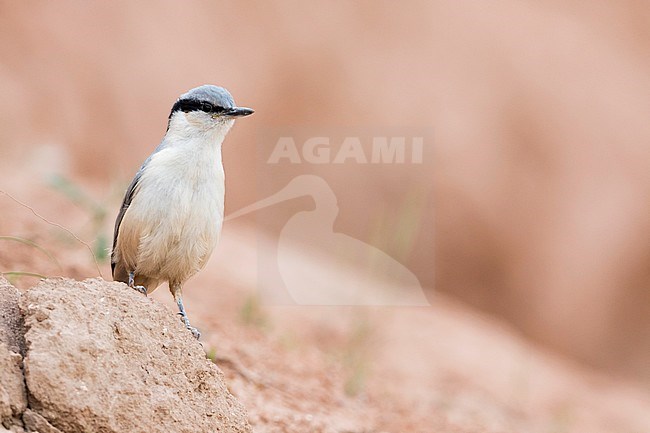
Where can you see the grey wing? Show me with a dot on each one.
(128, 197)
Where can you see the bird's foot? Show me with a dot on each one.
(195, 332)
(141, 289)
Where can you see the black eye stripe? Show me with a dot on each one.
(187, 105)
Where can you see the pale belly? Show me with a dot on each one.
(171, 227)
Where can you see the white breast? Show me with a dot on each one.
(178, 208)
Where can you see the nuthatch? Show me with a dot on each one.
(172, 213)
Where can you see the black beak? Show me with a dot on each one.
(238, 112)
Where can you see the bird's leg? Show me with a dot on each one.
(132, 285)
(176, 291)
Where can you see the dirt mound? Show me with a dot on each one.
(101, 357)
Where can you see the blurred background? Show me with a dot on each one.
(535, 193)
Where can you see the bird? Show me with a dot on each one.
(172, 213)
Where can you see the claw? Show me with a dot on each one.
(195, 332)
(141, 289)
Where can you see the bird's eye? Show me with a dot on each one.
(189, 105)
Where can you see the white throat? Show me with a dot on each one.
(198, 129)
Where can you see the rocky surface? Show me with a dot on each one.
(13, 400)
(11, 321)
(101, 357)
